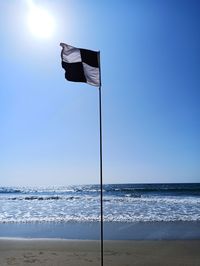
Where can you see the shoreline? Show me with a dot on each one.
(125, 244)
(112, 230)
(87, 252)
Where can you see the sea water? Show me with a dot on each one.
(122, 203)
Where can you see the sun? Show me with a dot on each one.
(41, 23)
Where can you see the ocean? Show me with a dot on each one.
(125, 203)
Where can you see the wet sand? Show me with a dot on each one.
(87, 252)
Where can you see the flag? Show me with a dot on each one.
(81, 65)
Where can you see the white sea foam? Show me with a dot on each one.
(82, 204)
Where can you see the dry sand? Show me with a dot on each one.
(75, 253)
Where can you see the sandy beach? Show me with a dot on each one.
(83, 252)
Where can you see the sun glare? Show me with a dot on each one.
(40, 22)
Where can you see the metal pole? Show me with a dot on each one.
(101, 176)
(101, 164)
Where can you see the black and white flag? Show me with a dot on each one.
(81, 65)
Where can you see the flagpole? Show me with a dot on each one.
(101, 161)
(71, 75)
(101, 175)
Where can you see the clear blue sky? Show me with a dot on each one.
(150, 59)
